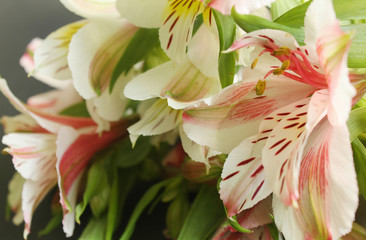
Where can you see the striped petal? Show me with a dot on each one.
(182, 84)
(33, 153)
(50, 122)
(158, 119)
(176, 30)
(241, 6)
(51, 57)
(92, 8)
(327, 188)
(237, 111)
(27, 62)
(74, 150)
(94, 52)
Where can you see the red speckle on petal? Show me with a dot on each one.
(175, 21)
(245, 161)
(230, 176)
(301, 114)
(282, 167)
(291, 125)
(278, 143)
(283, 147)
(266, 37)
(257, 190)
(283, 114)
(170, 41)
(256, 172)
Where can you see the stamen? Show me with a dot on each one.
(278, 71)
(254, 63)
(281, 51)
(260, 87)
(285, 65)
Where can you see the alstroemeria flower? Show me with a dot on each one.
(302, 151)
(176, 18)
(182, 84)
(241, 6)
(94, 52)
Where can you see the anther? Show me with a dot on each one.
(278, 71)
(254, 63)
(285, 64)
(260, 87)
(281, 51)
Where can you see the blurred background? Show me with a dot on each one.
(20, 22)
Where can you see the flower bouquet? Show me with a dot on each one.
(241, 119)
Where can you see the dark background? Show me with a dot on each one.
(21, 21)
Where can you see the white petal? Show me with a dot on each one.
(158, 119)
(92, 8)
(51, 57)
(98, 44)
(33, 153)
(243, 181)
(146, 14)
(203, 51)
(19, 123)
(241, 6)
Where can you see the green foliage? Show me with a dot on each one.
(205, 216)
(148, 197)
(139, 47)
(76, 110)
(54, 222)
(359, 156)
(357, 122)
(126, 156)
(95, 230)
(176, 214)
(236, 225)
(227, 30)
(281, 6)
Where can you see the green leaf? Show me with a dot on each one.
(55, 221)
(141, 205)
(275, 234)
(76, 110)
(357, 53)
(176, 214)
(141, 44)
(227, 30)
(359, 156)
(251, 23)
(345, 9)
(279, 7)
(95, 229)
(126, 156)
(97, 181)
(357, 122)
(205, 216)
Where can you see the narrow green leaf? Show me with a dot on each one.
(139, 47)
(236, 225)
(227, 30)
(126, 156)
(94, 230)
(275, 234)
(251, 23)
(359, 155)
(76, 110)
(141, 205)
(176, 214)
(345, 10)
(97, 181)
(357, 122)
(206, 214)
(280, 7)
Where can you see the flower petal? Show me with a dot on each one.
(327, 187)
(33, 153)
(94, 52)
(237, 111)
(241, 6)
(14, 197)
(176, 30)
(92, 8)
(158, 119)
(145, 14)
(51, 57)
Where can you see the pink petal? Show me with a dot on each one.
(241, 6)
